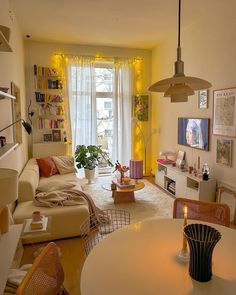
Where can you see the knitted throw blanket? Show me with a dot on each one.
(70, 197)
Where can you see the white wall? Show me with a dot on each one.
(208, 50)
(41, 54)
(12, 69)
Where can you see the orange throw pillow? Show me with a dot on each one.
(47, 167)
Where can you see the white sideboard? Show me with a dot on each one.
(184, 185)
(8, 246)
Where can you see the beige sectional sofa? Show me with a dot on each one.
(64, 221)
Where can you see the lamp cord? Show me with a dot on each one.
(179, 17)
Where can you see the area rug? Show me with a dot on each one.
(149, 201)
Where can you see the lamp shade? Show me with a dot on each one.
(8, 186)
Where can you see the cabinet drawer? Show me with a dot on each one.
(192, 194)
(159, 178)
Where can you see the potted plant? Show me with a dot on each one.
(88, 157)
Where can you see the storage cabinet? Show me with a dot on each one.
(182, 184)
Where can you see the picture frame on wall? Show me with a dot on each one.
(56, 135)
(180, 158)
(203, 99)
(47, 137)
(141, 107)
(224, 112)
(224, 152)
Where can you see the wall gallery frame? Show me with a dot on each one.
(47, 137)
(141, 107)
(224, 112)
(56, 135)
(224, 152)
(203, 99)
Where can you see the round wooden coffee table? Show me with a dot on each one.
(123, 195)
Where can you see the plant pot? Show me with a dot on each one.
(89, 174)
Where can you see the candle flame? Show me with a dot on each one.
(185, 209)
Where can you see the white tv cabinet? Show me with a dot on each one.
(186, 185)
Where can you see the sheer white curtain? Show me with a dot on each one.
(123, 93)
(82, 100)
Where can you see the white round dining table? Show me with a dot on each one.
(141, 259)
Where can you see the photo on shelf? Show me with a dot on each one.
(47, 137)
(180, 158)
(56, 135)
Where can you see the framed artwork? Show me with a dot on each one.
(180, 158)
(16, 112)
(47, 137)
(56, 135)
(224, 151)
(203, 99)
(224, 112)
(141, 107)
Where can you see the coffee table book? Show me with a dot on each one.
(124, 186)
(36, 226)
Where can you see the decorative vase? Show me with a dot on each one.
(122, 174)
(89, 174)
(201, 239)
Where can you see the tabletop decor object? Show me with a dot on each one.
(122, 170)
(184, 254)
(201, 240)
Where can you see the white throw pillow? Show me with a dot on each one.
(51, 186)
(65, 164)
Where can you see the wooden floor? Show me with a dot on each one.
(72, 258)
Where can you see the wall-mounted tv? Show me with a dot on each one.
(194, 132)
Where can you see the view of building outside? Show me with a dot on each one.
(104, 101)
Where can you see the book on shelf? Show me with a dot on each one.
(44, 71)
(43, 123)
(48, 98)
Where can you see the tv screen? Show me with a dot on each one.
(194, 132)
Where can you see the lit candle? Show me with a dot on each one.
(185, 223)
(185, 215)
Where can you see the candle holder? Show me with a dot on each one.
(183, 255)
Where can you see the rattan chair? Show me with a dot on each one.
(46, 276)
(93, 230)
(201, 210)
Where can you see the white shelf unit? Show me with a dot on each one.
(186, 185)
(43, 114)
(8, 247)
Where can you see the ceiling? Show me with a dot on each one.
(124, 23)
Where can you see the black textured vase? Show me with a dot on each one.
(201, 240)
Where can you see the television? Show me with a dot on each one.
(194, 132)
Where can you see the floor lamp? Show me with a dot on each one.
(146, 140)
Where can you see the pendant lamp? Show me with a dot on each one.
(179, 87)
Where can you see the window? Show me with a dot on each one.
(104, 75)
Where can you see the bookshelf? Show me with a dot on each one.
(49, 121)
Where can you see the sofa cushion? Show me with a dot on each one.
(65, 164)
(65, 220)
(47, 166)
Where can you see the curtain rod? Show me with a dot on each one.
(98, 57)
